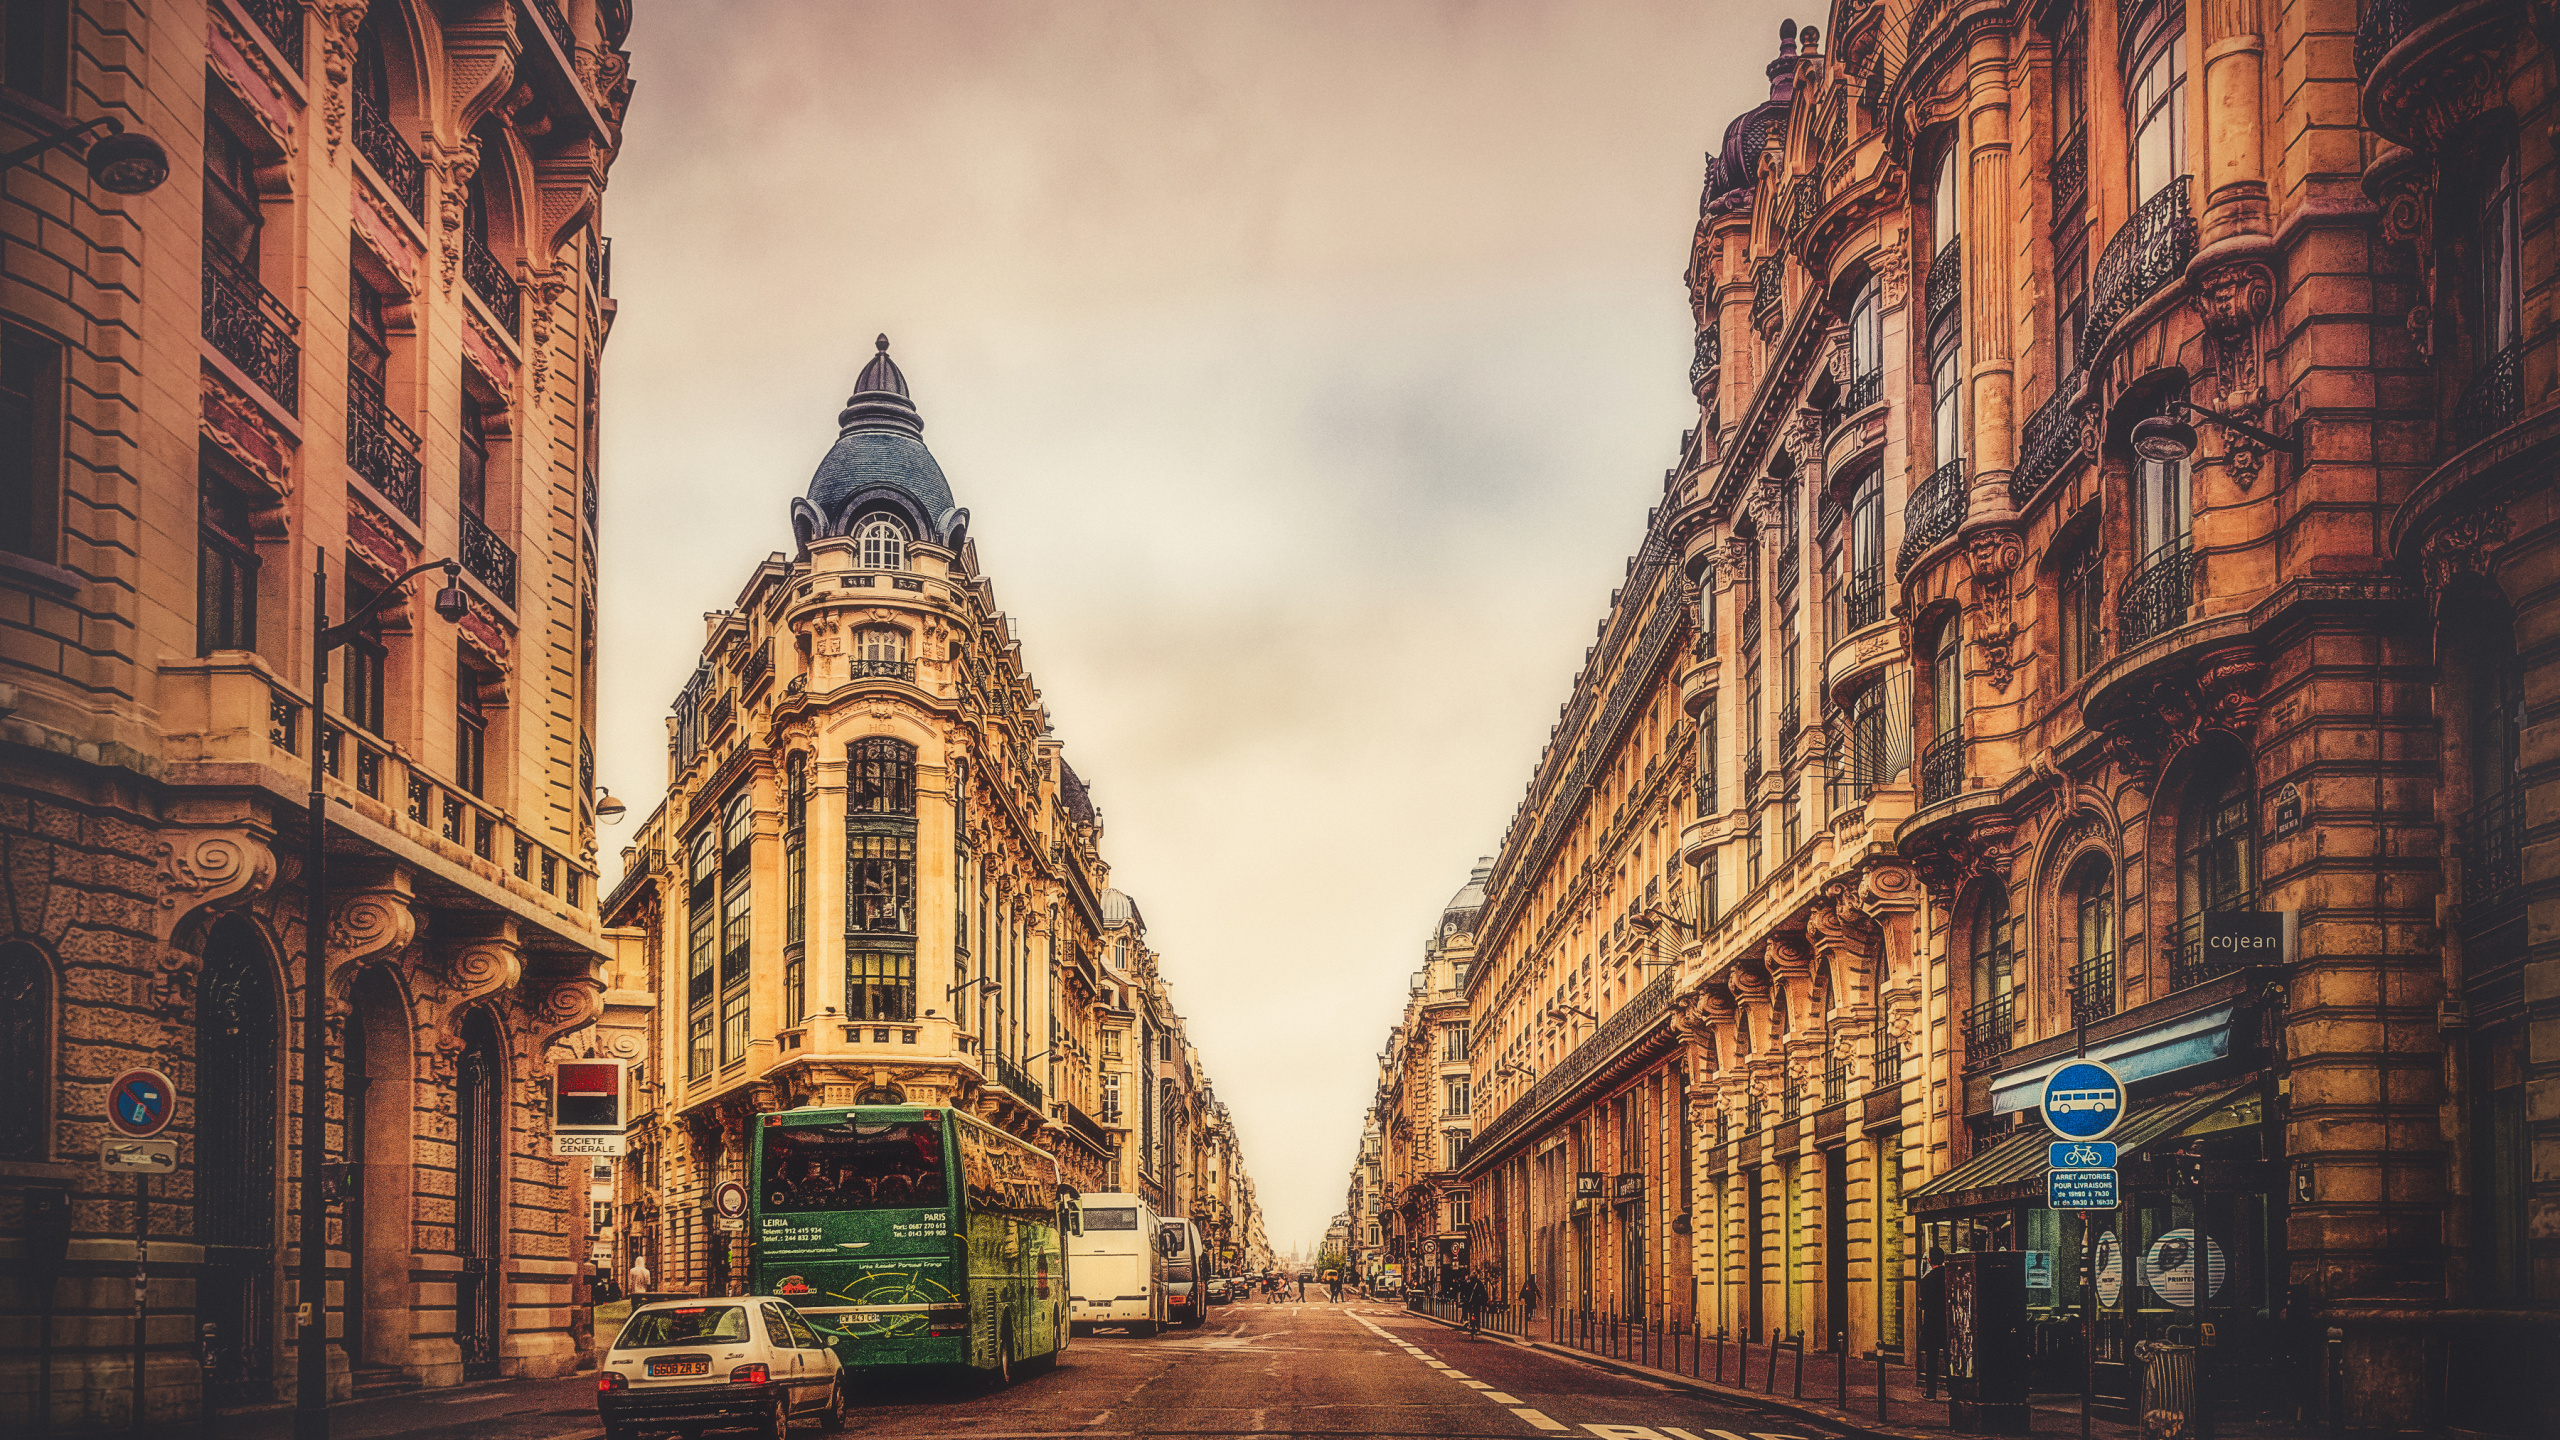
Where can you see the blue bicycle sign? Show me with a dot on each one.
(2083, 1100)
(2081, 1155)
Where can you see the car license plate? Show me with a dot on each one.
(666, 1369)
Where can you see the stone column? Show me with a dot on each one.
(1989, 210)
(2235, 187)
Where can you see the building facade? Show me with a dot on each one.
(875, 879)
(2120, 521)
(380, 235)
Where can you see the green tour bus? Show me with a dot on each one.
(916, 1235)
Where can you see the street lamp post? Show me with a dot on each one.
(122, 163)
(311, 1360)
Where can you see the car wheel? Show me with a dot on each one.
(777, 1423)
(831, 1419)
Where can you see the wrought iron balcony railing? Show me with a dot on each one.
(2151, 250)
(488, 557)
(2386, 23)
(1864, 390)
(2493, 858)
(2051, 438)
(1707, 791)
(380, 143)
(1935, 513)
(1946, 277)
(1790, 720)
(1888, 1061)
(2093, 989)
(253, 330)
(1835, 1080)
(720, 712)
(555, 20)
(1864, 605)
(1942, 769)
(1790, 566)
(884, 670)
(1990, 1028)
(2157, 594)
(756, 665)
(490, 281)
(1709, 358)
(2489, 403)
(379, 447)
(1768, 287)
(281, 22)
(1015, 1078)
(1750, 608)
(587, 500)
(2070, 175)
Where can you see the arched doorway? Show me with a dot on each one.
(377, 1203)
(480, 1160)
(238, 1018)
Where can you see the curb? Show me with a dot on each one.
(1868, 1429)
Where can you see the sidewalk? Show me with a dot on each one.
(1739, 1373)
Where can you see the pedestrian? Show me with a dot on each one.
(1933, 1323)
(1302, 1288)
(1528, 1297)
(641, 1279)
(1333, 1287)
(1471, 1302)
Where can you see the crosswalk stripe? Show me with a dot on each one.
(1540, 1420)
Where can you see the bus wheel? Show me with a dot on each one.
(1145, 1329)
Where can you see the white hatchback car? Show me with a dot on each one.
(723, 1362)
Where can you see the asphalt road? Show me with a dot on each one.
(1252, 1369)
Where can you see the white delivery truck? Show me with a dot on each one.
(1186, 1272)
(1117, 1274)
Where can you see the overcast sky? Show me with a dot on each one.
(1308, 369)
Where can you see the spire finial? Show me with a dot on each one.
(882, 343)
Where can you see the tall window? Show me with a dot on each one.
(474, 473)
(1453, 1149)
(2155, 113)
(26, 1052)
(470, 728)
(884, 544)
(2091, 894)
(233, 219)
(1453, 1041)
(1945, 219)
(368, 331)
(2083, 583)
(1866, 349)
(737, 920)
(882, 779)
(1867, 763)
(2501, 1166)
(1995, 960)
(2498, 284)
(795, 888)
(702, 945)
(1946, 682)
(2162, 503)
(364, 663)
(1461, 1209)
(2217, 864)
(1946, 389)
(226, 568)
(880, 880)
(882, 645)
(1455, 1101)
(30, 443)
(1866, 551)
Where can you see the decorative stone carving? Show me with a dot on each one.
(339, 22)
(221, 869)
(1945, 862)
(239, 428)
(2232, 300)
(454, 166)
(468, 971)
(1893, 275)
(543, 297)
(371, 925)
(566, 1006)
(1994, 555)
(2147, 732)
(2467, 544)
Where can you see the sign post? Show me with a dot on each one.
(2082, 1103)
(140, 1104)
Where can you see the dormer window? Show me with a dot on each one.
(884, 544)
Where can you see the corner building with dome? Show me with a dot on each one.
(875, 878)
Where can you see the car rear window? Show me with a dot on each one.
(1121, 1217)
(683, 1325)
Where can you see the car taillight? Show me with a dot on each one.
(607, 1380)
(750, 1375)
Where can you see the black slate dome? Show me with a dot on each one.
(879, 465)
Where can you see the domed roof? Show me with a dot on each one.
(1119, 909)
(880, 464)
(1460, 912)
(1733, 171)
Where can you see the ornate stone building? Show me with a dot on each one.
(874, 873)
(357, 329)
(2120, 520)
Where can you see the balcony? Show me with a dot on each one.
(1624, 1026)
(1934, 514)
(1750, 608)
(885, 670)
(587, 502)
(1864, 390)
(1768, 289)
(281, 22)
(490, 559)
(1790, 720)
(2385, 23)
(2093, 990)
(2150, 251)
(2157, 595)
(2493, 856)
(1018, 1080)
(1835, 1079)
(1752, 770)
(1990, 1028)
(555, 20)
(380, 143)
(2070, 175)
(1706, 791)
(717, 715)
(1946, 278)
(756, 666)
(2490, 401)
(2050, 440)
(1710, 357)
(490, 281)
(379, 447)
(1862, 604)
(253, 330)
(1942, 769)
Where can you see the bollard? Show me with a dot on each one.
(1769, 1380)
(1880, 1397)
(1799, 1366)
(1841, 1356)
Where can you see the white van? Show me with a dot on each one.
(1186, 1270)
(1116, 1275)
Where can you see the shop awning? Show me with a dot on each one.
(2159, 1050)
(2020, 1159)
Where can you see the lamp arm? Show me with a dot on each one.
(2243, 428)
(345, 630)
(57, 139)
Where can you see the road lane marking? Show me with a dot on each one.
(1539, 1419)
(1625, 1432)
(1685, 1435)
(1476, 1385)
(1498, 1398)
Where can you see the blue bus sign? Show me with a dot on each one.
(2082, 1100)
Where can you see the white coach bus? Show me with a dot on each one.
(1117, 1274)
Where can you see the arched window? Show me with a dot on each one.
(884, 544)
(1991, 1024)
(2155, 116)
(1942, 764)
(2217, 865)
(26, 1053)
(2090, 897)
(2082, 585)
(480, 1163)
(1946, 221)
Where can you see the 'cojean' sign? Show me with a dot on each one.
(2234, 938)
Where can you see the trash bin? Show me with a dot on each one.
(2167, 1400)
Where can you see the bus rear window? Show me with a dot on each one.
(692, 1325)
(853, 1165)
(1111, 1217)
